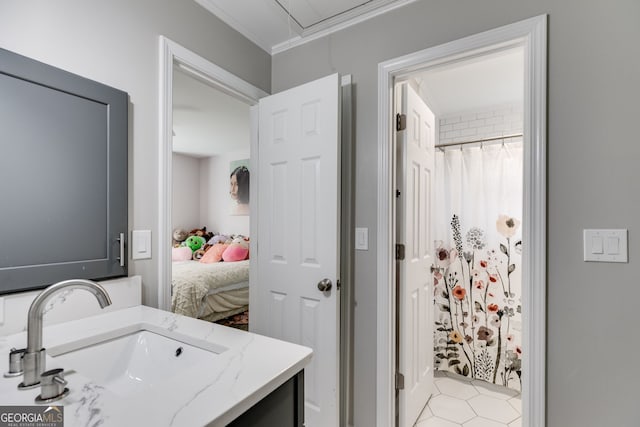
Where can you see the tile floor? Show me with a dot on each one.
(457, 402)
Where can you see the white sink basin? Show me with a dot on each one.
(133, 359)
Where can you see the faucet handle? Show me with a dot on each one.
(15, 362)
(52, 386)
(33, 364)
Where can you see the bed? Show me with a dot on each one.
(209, 291)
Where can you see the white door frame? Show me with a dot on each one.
(171, 53)
(532, 35)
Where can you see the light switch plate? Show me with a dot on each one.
(605, 245)
(141, 244)
(362, 238)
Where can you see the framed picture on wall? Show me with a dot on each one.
(239, 187)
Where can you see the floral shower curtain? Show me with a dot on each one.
(477, 290)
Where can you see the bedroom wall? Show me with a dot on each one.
(201, 193)
(593, 64)
(215, 202)
(185, 201)
(116, 42)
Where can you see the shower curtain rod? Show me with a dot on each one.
(449, 144)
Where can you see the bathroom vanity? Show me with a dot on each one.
(142, 366)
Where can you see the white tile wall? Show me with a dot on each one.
(486, 123)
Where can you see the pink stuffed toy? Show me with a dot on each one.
(235, 252)
(182, 253)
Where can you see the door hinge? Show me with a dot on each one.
(399, 381)
(399, 251)
(401, 121)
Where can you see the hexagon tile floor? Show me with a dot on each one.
(459, 402)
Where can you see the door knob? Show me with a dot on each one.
(324, 285)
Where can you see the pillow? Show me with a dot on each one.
(182, 253)
(214, 253)
(235, 252)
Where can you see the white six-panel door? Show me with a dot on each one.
(298, 233)
(414, 179)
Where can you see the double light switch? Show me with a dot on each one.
(605, 245)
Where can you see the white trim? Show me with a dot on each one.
(172, 54)
(165, 130)
(535, 229)
(254, 184)
(347, 237)
(532, 35)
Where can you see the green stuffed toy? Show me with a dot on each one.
(195, 242)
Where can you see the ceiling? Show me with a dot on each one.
(206, 121)
(277, 25)
(486, 81)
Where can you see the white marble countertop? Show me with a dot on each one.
(251, 368)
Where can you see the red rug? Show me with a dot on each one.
(238, 321)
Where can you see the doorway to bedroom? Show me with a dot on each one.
(205, 191)
(210, 202)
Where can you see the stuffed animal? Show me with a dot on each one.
(195, 242)
(235, 252)
(182, 253)
(179, 236)
(201, 232)
(242, 241)
(219, 238)
(197, 255)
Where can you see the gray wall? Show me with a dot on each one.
(185, 192)
(116, 42)
(593, 154)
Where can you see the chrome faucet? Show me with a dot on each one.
(34, 357)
